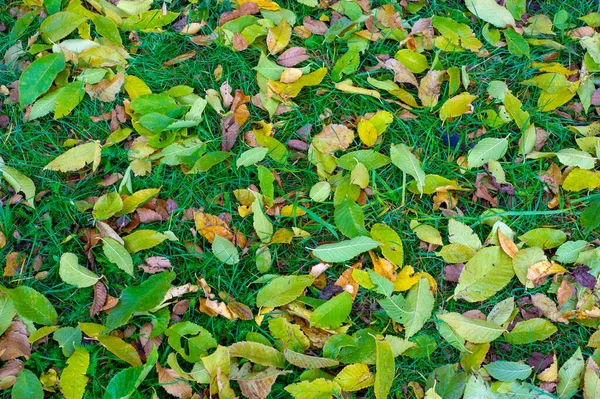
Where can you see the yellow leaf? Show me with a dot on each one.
(367, 132)
(332, 138)
(121, 349)
(77, 157)
(405, 279)
(457, 106)
(550, 374)
(262, 4)
(290, 75)
(279, 37)
(355, 377)
(348, 87)
(550, 101)
(580, 179)
(538, 272)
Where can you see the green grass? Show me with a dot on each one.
(30, 146)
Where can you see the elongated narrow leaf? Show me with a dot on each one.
(73, 379)
(385, 368)
(344, 250)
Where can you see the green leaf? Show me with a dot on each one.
(71, 272)
(486, 150)
(143, 239)
(132, 202)
(332, 313)
(262, 224)
(569, 375)
(473, 330)
(544, 238)
(107, 205)
(417, 308)
(484, 274)
(257, 353)
(19, 182)
(570, 250)
(408, 163)
(491, 12)
(291, 334)
(225, 251)
(391, 244)
(503, 370)
(125, 382)
(590, 217)
(344, 250)
(59, 25)
(32, 305)
(117, 254)
(68, 339)
(529, 331)
(139, 298)
(251, 156)
(73, 379)
(120, 349)
(27, 386)
(320, 191)
(308, 362)
(37, 78)
(197, 340)
(350, 219)
(7, 312)
(385, 367)
(346, 64)
(282, 290)
(319, 388)
(517, 45)
(67, 98)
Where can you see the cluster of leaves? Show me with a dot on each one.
(337, 327)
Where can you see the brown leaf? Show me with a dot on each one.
(107, 231)
(548, 307)
(109, 180)
(239, 108)
(565, 291)
(181, 307)
(429, 88)
(106, 90)
(596, 97)
(14, 343)
(156, 264)
(14, 263)
(239, 42)
(9, 371)
(538, 272)
(452, 272)
(149, 343)
(226, 91)
(100, 295)
(2, 240)
(290, 75)
(148, 215)
(230, 130)
(209, 225)
(314, 26)
(258, 385)
(172, 383)
(179, 59)
(292, 56)
(245, 9)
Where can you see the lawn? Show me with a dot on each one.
(308, 199)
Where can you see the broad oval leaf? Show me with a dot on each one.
(225, 251)
(71, 272)
(332, 313)
(37, 78)
(486, 150)
(491, 12)
(32, 305)
(27, 386)
(404, 159)
(282, 290)
(473, 330)
(503, 370)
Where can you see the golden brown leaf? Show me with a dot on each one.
(173, 384)
(508, 245)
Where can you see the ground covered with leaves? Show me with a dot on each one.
(308, 199)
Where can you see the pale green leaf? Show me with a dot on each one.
(117, 254)
(225, 251)
(486, 273)
(71, 272)
(344, 250)
(486, 150)
(404, 159)
(472, 330)
(282, 290)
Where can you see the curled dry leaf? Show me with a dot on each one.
(100, 296)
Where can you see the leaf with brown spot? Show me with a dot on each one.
(209, 225)
(429, 88)
(332, 138)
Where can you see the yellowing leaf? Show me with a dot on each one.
(348, 87)
(457, 105)
(355, 377)
(73, 379)
(332, 138)
(581, 179)
(429, 88)
(385, 368)
(262, 4)
(291, 90)
(473, 330)
(279, 37)
(77, 157)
